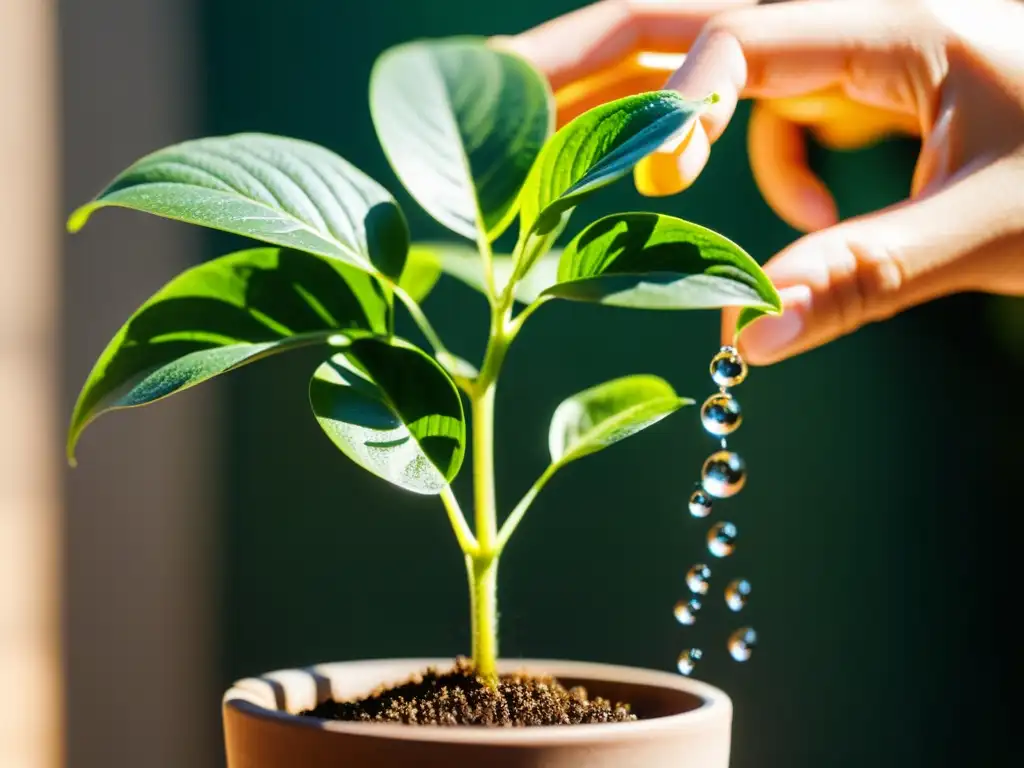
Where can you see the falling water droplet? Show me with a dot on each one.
(721, 414)
(736, 594)
(700, 504)
(722, 539)
(724, 474)
(697, 579)
(688, 661)
(686, 611)
(728, 369)
(742, 643)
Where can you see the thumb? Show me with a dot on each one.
(870, 268)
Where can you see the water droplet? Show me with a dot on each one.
(721, 414)
(742, 643)
(697, 579)
(728, 369)
(736, 594)
(700, 504)
(722, 539)
(724, 474)
(688, 661)
(686, 611)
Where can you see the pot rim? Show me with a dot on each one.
(266, 696)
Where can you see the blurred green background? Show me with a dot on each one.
(873, 528)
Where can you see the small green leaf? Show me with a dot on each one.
(597, 148)
(651, 261)
(598, 417)
(278, 190)
(427, 261)
(221, 315)
(461, 124)
(394, 411)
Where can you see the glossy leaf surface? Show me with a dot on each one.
(277, 190)
(461, 124)
(221, 315)
(394, 411)
(652, 261)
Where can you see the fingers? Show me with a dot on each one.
(935, 161)
(798, 48)
(867, 269)
(584, 42)
(778, 158)
(616, 82)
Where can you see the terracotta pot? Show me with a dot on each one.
(686, 723)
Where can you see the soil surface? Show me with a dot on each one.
(459, 697)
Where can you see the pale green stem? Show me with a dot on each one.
(422, 322)
(467, 541)
(483, 604)
(510, 524)
(517, 323)
(482, 567)
(483, 467)
(487, 256)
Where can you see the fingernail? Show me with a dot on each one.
(673, 167)
(658, 175)
(767, 339)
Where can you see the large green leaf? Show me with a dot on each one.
(427, 261)
(281, 191)
(221, 315)
(394, 411)
(597, 148)
(651, 261)
(598, 417)
(461, 124)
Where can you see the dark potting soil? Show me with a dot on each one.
(459, 697)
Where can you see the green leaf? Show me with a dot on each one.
(281, 191)
(651, 261)
(427, 261)
(394, 411)
(597, 148)
(461, 124)
(423, 270)
(598, 417)
(221, 315)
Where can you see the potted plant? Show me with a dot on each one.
(469, 131)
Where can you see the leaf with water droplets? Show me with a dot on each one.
(221, 315)
(598, 417)
(394, 411)
(277, 190)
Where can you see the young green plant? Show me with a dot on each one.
(469, 131)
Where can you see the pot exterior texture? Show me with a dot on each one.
(684, 723)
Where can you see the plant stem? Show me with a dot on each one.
(483, 604)
(485, 512)
(509, 527)
(421, 322)
(487, 256)
(467, 541)
(482, 567)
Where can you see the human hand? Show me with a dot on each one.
(949, 71)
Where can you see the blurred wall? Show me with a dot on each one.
(30, 710)
(140, 588)
(872, 527)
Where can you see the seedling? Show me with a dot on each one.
(469, 131)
